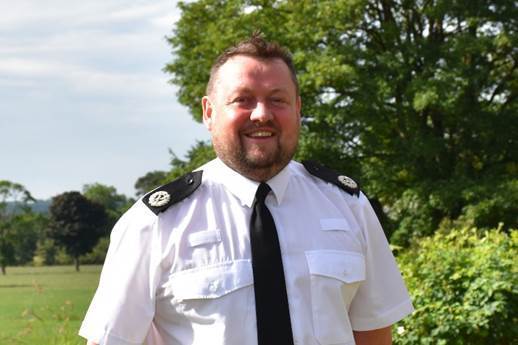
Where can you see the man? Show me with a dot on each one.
(196, 261)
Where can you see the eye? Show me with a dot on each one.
(278, 100)
(240, 99)
(243, 101)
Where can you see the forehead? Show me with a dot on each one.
(243, 71)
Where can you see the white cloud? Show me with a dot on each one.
(82, 94)
(23, 67)
(24, 15)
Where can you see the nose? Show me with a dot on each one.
(261, 113)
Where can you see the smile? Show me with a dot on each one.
(260, 134)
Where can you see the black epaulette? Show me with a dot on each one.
(331, 176)
(169, 194)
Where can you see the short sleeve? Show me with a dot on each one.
(123, 306)
(382, 299)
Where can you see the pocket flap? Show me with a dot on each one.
(204, 237)
(210, 281)
(327, 224)
(345, 266)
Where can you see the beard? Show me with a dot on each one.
(255, 162)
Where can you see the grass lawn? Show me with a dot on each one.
(45, 305)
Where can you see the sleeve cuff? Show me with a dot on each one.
(103, 338)
(383, 320)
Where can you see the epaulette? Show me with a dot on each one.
(161, 198)
(331, 176)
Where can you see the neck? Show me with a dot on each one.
(258, 174)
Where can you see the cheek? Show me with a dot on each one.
(290, 124)
(227, 127)
(233, 122)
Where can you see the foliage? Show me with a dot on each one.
(480, 204)
(198, 155)
(464, 286)
(18, 198)
(27, 228)
(114, 204)
(45, 253)
(76, 223)
(98, 253)
(419, 98)
(14, 192)
(150, 181)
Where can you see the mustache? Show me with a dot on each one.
(254, 125)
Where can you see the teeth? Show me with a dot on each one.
(261, 134)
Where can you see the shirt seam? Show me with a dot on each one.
(389, 317)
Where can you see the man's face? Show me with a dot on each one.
(253, 114)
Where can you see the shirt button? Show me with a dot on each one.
(213, 286)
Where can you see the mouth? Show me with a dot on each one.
(260, 134)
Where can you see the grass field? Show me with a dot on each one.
(45, 305)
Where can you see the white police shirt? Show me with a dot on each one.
(185, 276)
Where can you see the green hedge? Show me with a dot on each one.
(464, 286)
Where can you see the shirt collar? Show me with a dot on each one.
(279, 183)
(244, 188)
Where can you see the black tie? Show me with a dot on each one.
(271, 301)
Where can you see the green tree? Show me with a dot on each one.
(28, 227)
(197, 155)
(76, 223)
(98, 253)
(149, 181)
(45, 252)
(14, 205)
(114, 204)
(418, 98)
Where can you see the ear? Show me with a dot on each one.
(298, 106)
(208, 111)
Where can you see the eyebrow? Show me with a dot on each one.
(249, 90)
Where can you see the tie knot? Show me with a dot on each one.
(262, 192)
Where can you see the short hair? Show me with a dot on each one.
(257, 47)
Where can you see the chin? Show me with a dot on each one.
(261, 160)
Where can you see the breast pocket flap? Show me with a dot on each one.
(210, 281)
(347, 267)
(329, 224)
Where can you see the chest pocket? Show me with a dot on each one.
(215, 300)
(209, 282)
(334, 279)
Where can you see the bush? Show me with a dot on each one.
(45, 253)
(98, 253)
(464, 286)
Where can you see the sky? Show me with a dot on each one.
(83, 98)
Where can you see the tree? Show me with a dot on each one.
(197, 155)
(14, 203)
(28, 228)
(114, 204)
(149, 181)
(76, 223)
(418, 98)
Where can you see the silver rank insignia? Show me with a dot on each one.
(159, 198)
(347, 181)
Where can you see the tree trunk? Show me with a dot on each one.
(3, 270)
(77, 263)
